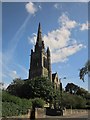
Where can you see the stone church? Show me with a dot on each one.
(40, 61)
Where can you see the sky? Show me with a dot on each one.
(64, 29)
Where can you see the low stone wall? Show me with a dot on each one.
(40, 113)
(74, 111)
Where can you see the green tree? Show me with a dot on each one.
(80, 102)
(82, 92)
(39, 87)
(73, 101)
(68, 100)
(15, 88)
(38, 103)
(84, 70)
(71, 88)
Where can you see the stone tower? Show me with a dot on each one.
(40, 61)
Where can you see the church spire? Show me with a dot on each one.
(39, 43)
(39, 35)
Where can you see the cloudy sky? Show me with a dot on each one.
(64, 30)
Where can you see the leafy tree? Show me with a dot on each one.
(82, 92)
(73, 101)
(74, 89)
(84, 70)
(87, 96)
(39, 87)
(71, 88)
(38, 103)
(80, 102)
(15, 88)
(69, 102)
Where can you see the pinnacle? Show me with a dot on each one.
(39, 27)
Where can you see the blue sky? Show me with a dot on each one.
(64, 30)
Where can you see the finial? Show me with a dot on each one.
(39, 27)
(39, 24)
(48, 51)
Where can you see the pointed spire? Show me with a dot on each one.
(39, 27)
(39, 43)
(48, 51)
(39, 35)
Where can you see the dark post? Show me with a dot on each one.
(61, 91)
(61, 98)
(32, 116)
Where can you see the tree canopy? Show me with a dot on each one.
(71, 88)
(84, 70)
(75, 89)
(74, 101)
(39, 87)
(15, 88)
(42, 88)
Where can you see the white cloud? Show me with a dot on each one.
(40, 7)
(56, 5)
(13, 74)
(23, 71)
(64, 21)
(15, 40)
(61, 48)
(5, 86)
(57, 39)
(61, 44)
(8, 72)
(63, 54)
(10, 68)
(31, 8)
(85, 26)
(33, 38)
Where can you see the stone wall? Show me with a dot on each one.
(74, 111)
(40, 113)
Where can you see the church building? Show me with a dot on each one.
(40, 61)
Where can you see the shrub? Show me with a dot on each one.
(73, 101)
(38, 102)
(9, 109)
(14, 106)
